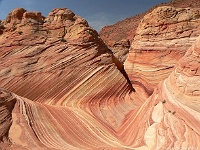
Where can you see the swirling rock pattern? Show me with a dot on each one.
(66, 91)
(158, 44)
(60, 62)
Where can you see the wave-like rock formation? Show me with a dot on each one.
(162, 38)
(60, 62)
(62, 89)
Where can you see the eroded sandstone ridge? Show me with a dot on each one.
(63, 89)
(117, 35)
(125, 30)
(59, 62)
(162, 38)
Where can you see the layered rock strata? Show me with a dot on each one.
(60, 62)
(119, 36)
(169, 119)
(126, 29)
(162, 38)
(62, 88)
(172, 113)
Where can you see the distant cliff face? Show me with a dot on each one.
(62, 88)
(115, 35)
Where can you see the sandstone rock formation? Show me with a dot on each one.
(59, 62)
(62, 89)
(162, 38)
(184, 3)
(126, 29)
(115, 35)
(176, 114)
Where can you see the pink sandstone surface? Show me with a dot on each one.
(63, 89)
(159, 43)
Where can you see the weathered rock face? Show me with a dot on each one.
(126, 29)
(185, 3)
(162, 38)
(176, 116)
(184, 84)
(118, 36)
(66, 90)
(59, 62)
(7, 102)
(120, 50)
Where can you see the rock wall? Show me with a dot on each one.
(125, 30)
(162, 38)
